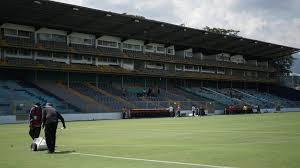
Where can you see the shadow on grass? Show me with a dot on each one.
(64, 152)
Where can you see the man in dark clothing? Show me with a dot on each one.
(50, 121)
(35, 120)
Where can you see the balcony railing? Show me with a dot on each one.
(50, 65)
(100, 51)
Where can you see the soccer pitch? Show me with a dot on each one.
(246, 141)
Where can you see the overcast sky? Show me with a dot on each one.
(276, 21)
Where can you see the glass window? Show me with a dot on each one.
(10, 32)
(107, 43)
(137, 47)
(60, 55)
(77, 57)
(113, 60)
(22, 33)
(190, 67)
(149, 47)
(44, 37)
(178, 67)
(58, 38)
(160, 49)
(76, 40)
(25, 52)
(132, 46)
(127, 46)
(11, 51)
(170, 51)
(87, 41)
(102, 59)
(88, 58)
(188, 54)
(44, 54)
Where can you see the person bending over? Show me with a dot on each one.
(49, 122)
(35, 121)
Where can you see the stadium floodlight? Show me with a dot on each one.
(37, 2)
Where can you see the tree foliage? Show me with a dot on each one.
(283, 65)
(229, 32)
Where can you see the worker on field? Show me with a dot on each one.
(49, 121)
(201, 111)
(171, 111)
(178, 110)
(193, 110)
(35, 121)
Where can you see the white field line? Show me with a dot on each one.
(149, 160)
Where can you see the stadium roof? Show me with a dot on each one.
(44, 13)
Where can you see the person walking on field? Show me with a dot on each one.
(35, 121)
(50, 121)
(193, 110)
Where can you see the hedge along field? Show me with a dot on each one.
(263, 140)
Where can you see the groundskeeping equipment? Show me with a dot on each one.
(39, 144)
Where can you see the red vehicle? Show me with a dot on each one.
(238, 109)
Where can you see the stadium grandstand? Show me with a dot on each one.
(91, 61)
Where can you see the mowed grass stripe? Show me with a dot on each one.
(246, 141)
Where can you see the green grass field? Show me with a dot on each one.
(266, 140)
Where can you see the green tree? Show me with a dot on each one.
(283, 65)
(229, 32)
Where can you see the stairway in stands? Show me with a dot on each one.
(105, 99)
(117, 99)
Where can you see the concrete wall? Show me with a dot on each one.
(52, 31)
(68, 117)
(8, 119)
(82, 35)
(110, 38)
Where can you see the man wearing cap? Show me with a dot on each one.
(49, 121)
(35, 121)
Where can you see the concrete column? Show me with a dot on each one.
(68, 79)
(122, 81)
(97, 81)
(166, 84)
